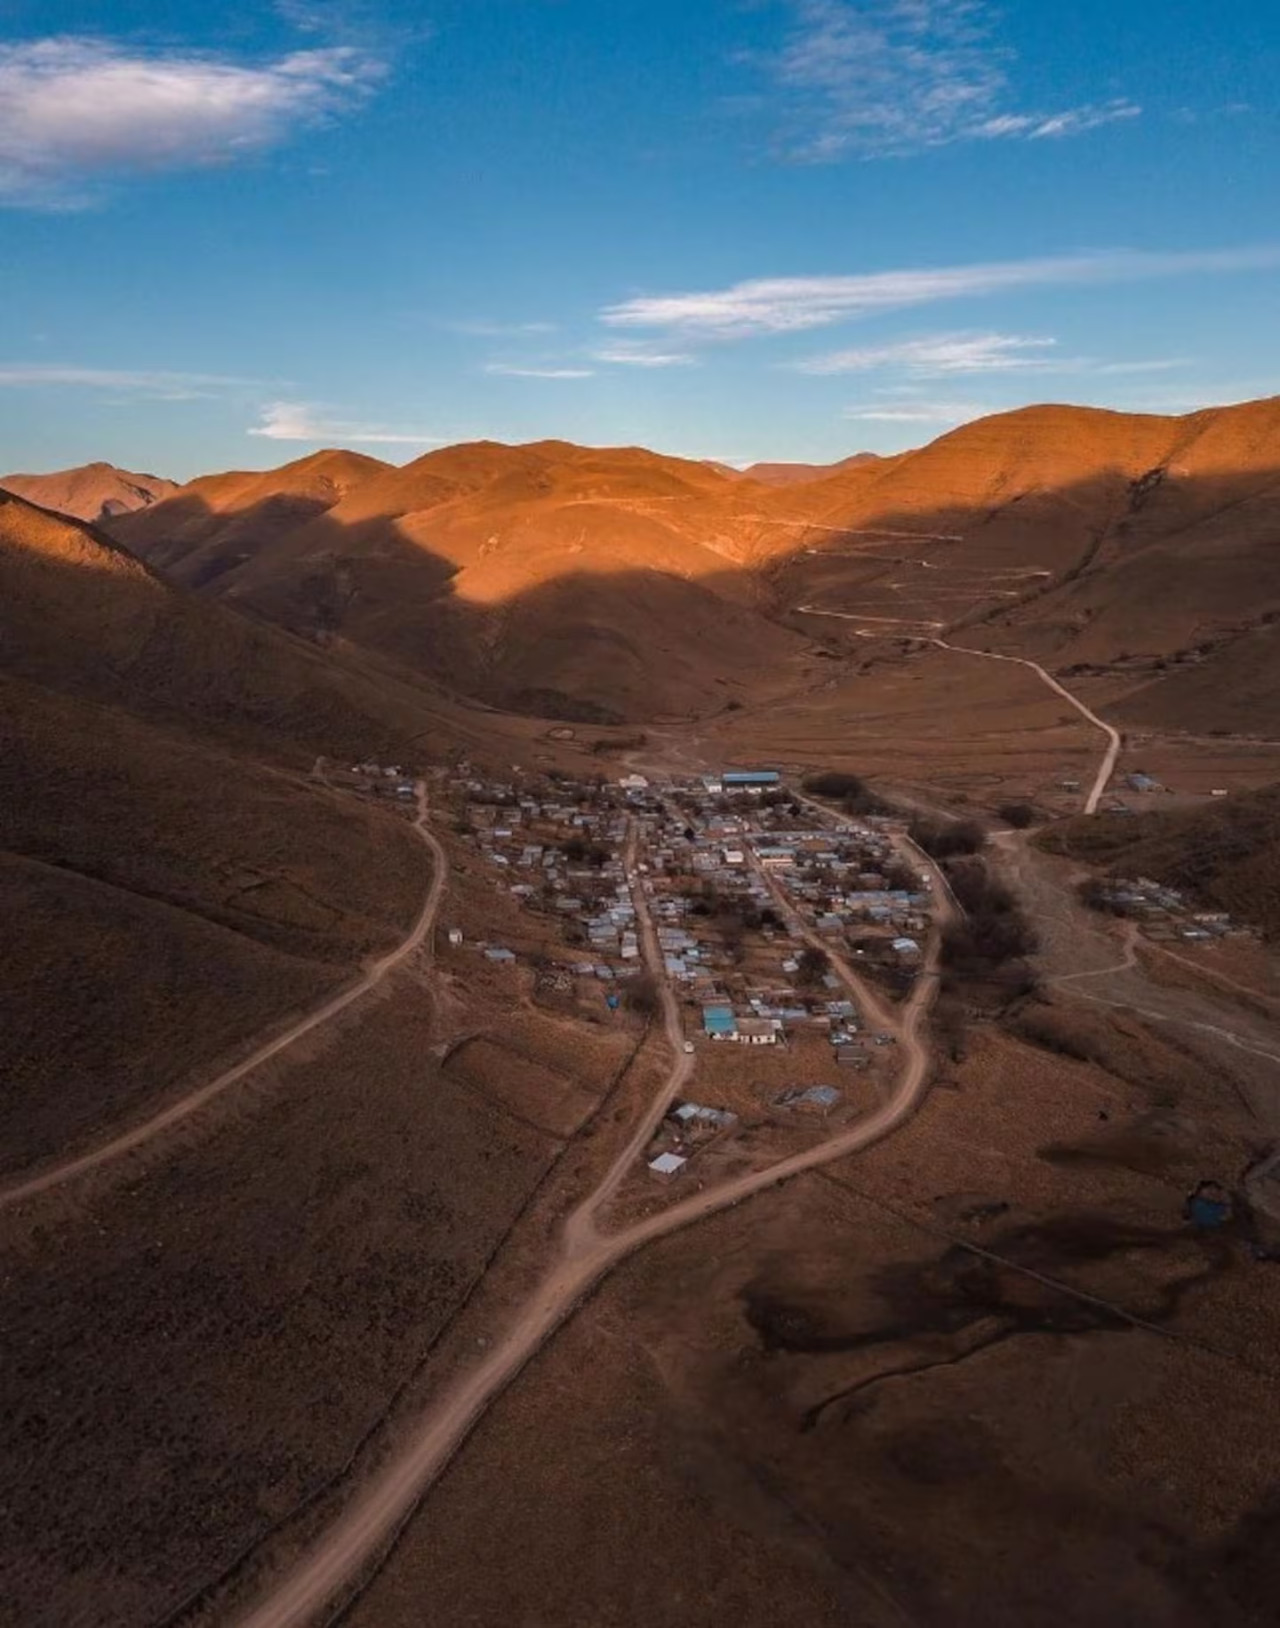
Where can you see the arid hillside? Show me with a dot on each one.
(797, 474)
(1226, 855)
(550, 579)
(160, 836)
(615, 584)
(96, 491)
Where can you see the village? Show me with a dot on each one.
(1163, 914)
(745, 901)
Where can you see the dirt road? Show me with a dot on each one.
(580, 1232)
(1107, 767)
(1085, 961)
(128, 1141)
(381, 1508)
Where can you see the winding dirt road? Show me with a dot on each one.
(1107, 767)
(128, 1141)
(1114, 743)
(382, 1507)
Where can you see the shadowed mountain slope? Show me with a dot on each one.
(160, 840)
(96, 491)
(546, 578)
(615, 583)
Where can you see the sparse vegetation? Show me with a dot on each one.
(945, 839)
(990, 945)
(849, 790)
(1226, 855)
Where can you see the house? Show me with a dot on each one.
(692, 1116)
(750, 779)
(719, 1023)
(496, 953)
(667, 1166)
(906, 949)
(455, 936)
(757, 1031)
(776, 859)
(1142, 782)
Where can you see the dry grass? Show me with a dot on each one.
(210, 1339)
(1226, 854)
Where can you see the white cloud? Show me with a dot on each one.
(794, 304)
(75, 110)
(883, 78)
(920, 412)
(952, 354)
(1036, 127)
(166, 386)
(635, 353)
(512, 370)
(941, 354)
(298, 421)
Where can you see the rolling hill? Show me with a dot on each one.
(783, 474)
(159, 834)
(548, 578)
(617, 584)
(96, 491)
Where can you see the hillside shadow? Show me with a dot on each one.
(1150, 578)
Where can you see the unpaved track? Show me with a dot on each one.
(1107, 767)
(381, 1508)
(130, 1140)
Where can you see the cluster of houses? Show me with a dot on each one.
(716, 856)
(1164, 912)
(374, 779)
(686, 1130)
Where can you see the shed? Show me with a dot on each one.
(667, 1166)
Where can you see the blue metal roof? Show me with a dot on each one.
(719, 1020)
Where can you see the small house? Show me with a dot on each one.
(667, 1166)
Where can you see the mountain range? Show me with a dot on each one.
(622, 585)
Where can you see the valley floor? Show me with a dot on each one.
(980, 1372)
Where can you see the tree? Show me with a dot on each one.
(814, 965)
(1018, 815)
(642, 995)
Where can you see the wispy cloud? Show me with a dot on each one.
(920, 412)
(940, 354)
(300, 421)
(514, 370)
(635, 353)
(884, 78)
(75, 111)
(943, 355)
(163, 385)
(1036, 127)
(794, 304)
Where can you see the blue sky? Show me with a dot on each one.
(734, 229)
